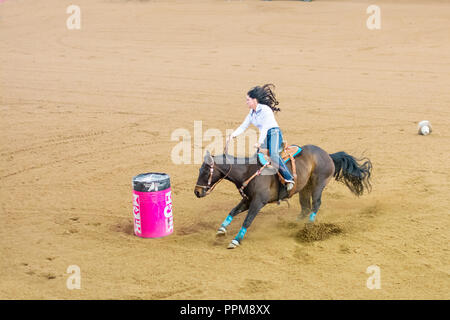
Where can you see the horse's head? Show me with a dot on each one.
(209, 175)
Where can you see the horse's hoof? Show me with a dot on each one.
(221, 232)
(233, 244)
(302, 216)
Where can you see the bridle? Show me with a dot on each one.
(208, 187)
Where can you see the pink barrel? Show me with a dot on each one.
(152, 205)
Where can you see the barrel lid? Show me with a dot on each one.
(151, 181)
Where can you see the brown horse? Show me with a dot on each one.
(314, 168)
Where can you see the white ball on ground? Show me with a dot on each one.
(424, 127)
(425, 130)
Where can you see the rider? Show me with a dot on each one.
(261, 102)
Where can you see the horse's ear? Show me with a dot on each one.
(208, 158)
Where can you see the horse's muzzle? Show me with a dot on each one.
(199, 192)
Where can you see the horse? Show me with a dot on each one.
(314, 168)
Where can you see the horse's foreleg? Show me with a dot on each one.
(253, 210)
(241, 207)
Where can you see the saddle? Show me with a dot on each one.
(288, 153)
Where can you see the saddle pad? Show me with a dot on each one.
(292, 149)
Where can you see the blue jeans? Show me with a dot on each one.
(273, 142)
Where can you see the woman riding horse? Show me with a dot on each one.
(262, 104)
(313, 168)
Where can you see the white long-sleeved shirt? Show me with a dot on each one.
(262, 118)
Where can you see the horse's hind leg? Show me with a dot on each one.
(305, 202)
(317, 197)
(241, 207)
(316, 202)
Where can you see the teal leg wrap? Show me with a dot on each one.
(227, 221)
(241, 234)
(312, 216)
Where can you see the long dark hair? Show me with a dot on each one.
(265, 95)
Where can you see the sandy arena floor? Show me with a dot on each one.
(83, 111)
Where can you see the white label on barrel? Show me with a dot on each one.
(137, 214)
(168, 212)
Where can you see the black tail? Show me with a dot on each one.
(353, 172)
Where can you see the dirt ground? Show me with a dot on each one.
(83, 111)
